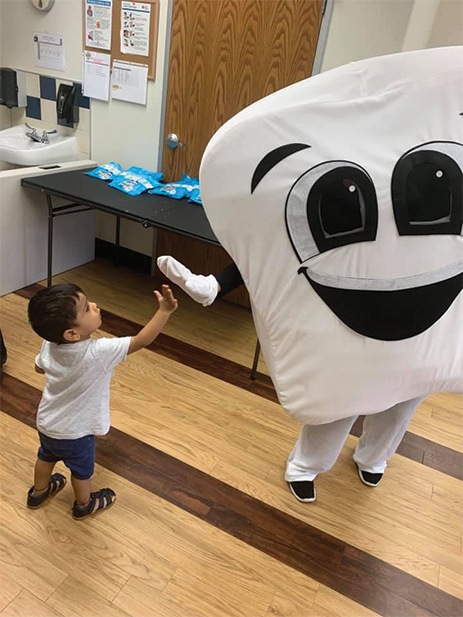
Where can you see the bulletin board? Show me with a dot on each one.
(115, 51)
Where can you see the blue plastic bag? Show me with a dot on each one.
(195, 197)
(108, 171)
(135, 180)
(171, 189)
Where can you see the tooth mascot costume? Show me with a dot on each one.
(340, 200)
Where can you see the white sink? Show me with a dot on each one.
(19, 149)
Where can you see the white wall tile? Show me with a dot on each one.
(49, 111)
(32, 85)
(18, 116)
(83, 141)
(84, 119)
(5, 117)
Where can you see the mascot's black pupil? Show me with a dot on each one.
(429, 193)
(340, 207)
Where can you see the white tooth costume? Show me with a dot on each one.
(340, 200)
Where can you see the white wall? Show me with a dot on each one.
(448, 27)
(130, 134)
(18, 22)
(365, 28)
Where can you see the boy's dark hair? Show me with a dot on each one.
(53, 310)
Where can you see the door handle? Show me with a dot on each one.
(173, 141)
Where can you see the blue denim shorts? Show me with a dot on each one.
(77, 454)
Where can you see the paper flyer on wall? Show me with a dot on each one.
(98, 23)
(135, 28)
(95, 72)
(49, 50)
(129, 82)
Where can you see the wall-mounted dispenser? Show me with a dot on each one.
(12, 88)
(67, 105)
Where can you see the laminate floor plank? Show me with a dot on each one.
(26, 604)
(451, 581)
(441, 415)
(9, 589)
(75, 599)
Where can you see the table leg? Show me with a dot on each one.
(116, 258)
(154, 251)
(256, 360)
(50, 241)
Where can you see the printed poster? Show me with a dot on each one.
(135, 28)
(95, 72)
(98, 22)
(49, 50)
(129, 82)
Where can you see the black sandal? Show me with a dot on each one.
(56, 483)
(99, 500)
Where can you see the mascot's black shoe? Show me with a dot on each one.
(370, 479)
(303, 491)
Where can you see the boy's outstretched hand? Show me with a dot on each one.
(167, 302)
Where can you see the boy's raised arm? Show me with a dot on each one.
(167, 305)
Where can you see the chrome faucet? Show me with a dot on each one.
(34, 135)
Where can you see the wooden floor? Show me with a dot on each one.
(204, 524)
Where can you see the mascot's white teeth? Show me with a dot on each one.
(407, 282)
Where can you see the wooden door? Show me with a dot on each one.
(225, 55)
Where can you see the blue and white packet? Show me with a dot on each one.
(152, 176)
(178, 189)
(107, 171)
(191, 184)
(136, 180)
(171, 189)
(195, 196)
(130, 186)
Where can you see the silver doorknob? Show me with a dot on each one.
(173, 141)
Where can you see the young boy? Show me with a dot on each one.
(75, 401)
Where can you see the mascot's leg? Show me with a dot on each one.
(382, 434)
(203, 289)
(316, 450)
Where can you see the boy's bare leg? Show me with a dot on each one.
(82, 490)
(88, 503)
(42, 473)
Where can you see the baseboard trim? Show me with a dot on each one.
(122, 256)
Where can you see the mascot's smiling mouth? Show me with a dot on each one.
(392, 309)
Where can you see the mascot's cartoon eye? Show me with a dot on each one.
(427, 190)
(331, 205)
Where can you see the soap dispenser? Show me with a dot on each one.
(12, 88)
(67, 106)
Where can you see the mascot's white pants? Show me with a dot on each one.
(318, 446)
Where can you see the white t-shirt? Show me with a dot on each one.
(75, 400)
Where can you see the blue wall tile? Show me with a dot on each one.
(47, 88)
(83, 101)
(33, 108)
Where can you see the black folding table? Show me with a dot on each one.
(88, 193)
